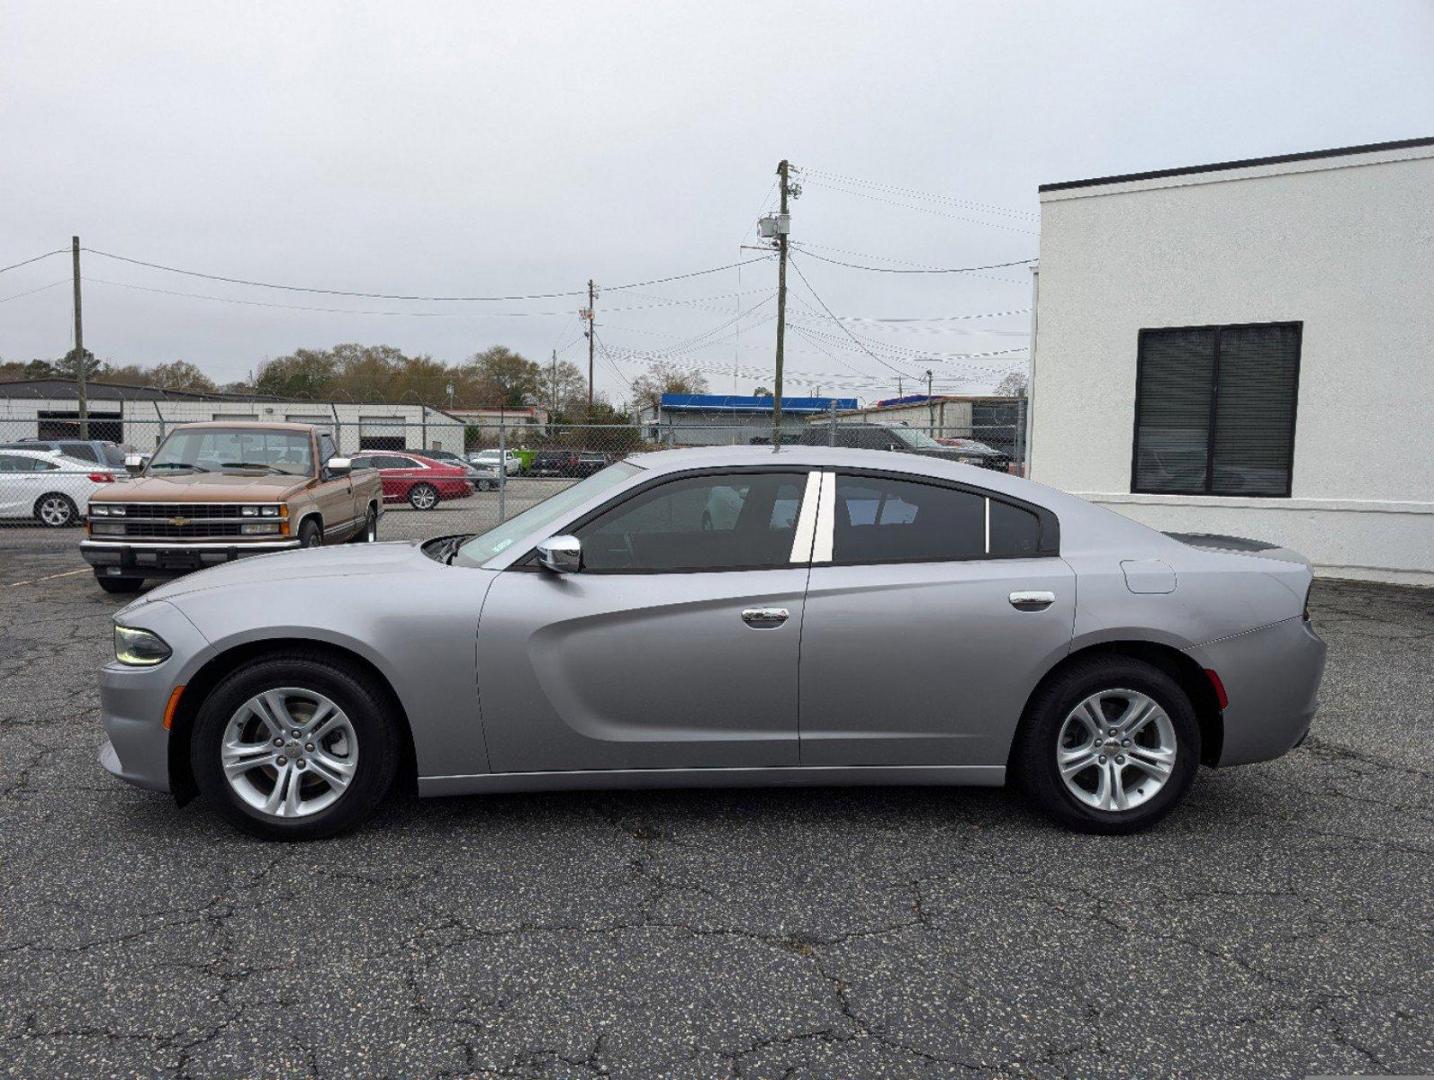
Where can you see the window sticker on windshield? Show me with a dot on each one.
(502, 545)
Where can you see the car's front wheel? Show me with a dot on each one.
(295, 747)
(1109, 745)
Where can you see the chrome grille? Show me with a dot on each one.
(184, 521)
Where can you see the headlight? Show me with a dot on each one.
(258, 528)
(107, 528)
(249, 511)
(139, 648)
(269, 511)
(99, 510)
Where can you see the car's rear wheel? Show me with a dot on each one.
(1109, 745)
(118, 584)
(294, 748)
(56, 510)
(423, 496)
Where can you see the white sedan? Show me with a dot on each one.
(511, 461)
(46, 486)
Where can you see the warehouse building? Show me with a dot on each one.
(1246, 348)
(140, 416)
(726, 419)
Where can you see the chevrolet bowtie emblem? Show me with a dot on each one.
(179, 523)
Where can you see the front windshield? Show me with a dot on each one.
(535, 519)
(917, 439)
(219, 449)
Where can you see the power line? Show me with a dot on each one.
(404, 296)
(841, 324)
(807, 253)
(921, 209)
(37, 258)
(917, 193)
(32, 292)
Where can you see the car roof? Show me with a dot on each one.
(249, 425)
(797, 455)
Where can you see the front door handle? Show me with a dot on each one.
(765, 616)
(1032, 601)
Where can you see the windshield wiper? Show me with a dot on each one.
(447, 549)
(176, 465)
(254, 465)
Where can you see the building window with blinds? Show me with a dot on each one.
(1215, 410)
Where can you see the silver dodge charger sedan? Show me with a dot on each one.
(725, 616)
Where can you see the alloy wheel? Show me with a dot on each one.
(289, 752)
(55, 510)
(423, 497)
(1116, 749)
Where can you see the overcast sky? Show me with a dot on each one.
(503, 149)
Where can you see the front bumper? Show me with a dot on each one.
(133, 699)
(1272, 678)
(158, 558)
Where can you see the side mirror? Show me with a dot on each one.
(339, 466)
(561, 554)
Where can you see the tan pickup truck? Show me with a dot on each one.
(216, 492)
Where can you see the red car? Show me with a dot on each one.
(423, 482)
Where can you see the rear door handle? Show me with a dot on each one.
(765, 616)
(1032, 600)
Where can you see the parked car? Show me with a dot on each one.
(906, 440)
(46, 486)
(483, 477)
(512, 460)
(988, 457)
(420, 481)
(554, 463)
(915, 621)
(590, 461)
(95, 451)
(215, 492)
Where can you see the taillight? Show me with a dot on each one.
(1306, 612)
(102, 478)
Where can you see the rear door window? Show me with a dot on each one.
(880, 519)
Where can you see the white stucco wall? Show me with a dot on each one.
(1344, 245)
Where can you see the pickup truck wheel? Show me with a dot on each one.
(368, 532)
(56, 510)
(119, 584)
(295, 747)
(423, 496)
(311, 534)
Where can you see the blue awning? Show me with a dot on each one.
(739, 403)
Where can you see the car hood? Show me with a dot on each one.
(349, 560)
(205, 487)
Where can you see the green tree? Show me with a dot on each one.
(180, 375)
(499, 376)
(304, 373)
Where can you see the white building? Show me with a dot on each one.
(140, 416)
(1248, 348)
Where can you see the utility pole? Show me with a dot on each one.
(783, 228)
(80, 365)
(553, 404)
(592, 330)
(930, 404)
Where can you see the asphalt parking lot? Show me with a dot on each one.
(1278, 925)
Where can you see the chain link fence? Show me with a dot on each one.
(468, 476)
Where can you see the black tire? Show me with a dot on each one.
(423, 496)
(1037, 742)
(119, 584)
(56, 510)
(349, 688)
(368, 531)
(311, 534)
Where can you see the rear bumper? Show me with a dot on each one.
(1272, 677)
(126, 558)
